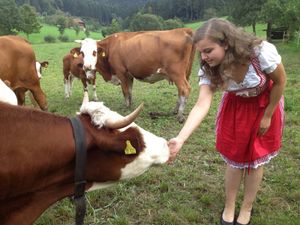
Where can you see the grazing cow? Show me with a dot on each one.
(72, 67)
(6, 94)
(18, 66)
(37, 156)
(147, 56)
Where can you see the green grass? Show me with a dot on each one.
(189, 192)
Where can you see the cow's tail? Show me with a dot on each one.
(192, 54)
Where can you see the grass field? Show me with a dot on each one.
(189, 192)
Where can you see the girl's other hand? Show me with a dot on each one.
(264, 125)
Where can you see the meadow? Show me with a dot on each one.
(190, 191)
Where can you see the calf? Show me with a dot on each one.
(72, 67)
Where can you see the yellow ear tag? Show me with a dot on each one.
(103, 54)
(75, 55)
(129, 150)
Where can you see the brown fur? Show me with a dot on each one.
(37, 160)
(139, 54)
(17, 65)
(73, 65)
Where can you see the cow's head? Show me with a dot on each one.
(39, 66)
(153, 149)
(88, 50)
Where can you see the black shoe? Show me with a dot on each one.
(223, 222)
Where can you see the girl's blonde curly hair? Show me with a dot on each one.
(240, 48)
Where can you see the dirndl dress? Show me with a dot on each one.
(238, 121)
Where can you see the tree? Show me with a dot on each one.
(61, 23)
(30, 23)
(77, 29)
(282, 13)
(245, 12)
(10, 20)
(146, 22)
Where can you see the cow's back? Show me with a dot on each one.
(156, 48)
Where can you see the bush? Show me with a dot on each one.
(172, 24)
(144, 22)
(63, 38)
(49, 39)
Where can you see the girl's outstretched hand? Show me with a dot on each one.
(174, 145)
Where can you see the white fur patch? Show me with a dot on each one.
(7, 95)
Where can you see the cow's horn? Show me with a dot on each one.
(125, 121)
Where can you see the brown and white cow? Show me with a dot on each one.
(72, 68)
(37, 156)
(147, 56)
(18, 66)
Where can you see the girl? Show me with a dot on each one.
(250, 118)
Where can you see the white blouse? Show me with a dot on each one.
(268, 58)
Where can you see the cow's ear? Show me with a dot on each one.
(45, 64)
(101, 52)
(75, 51)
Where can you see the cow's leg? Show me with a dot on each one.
(126, 85)
(67, 87)
(40, 97)
(95, 97)
(184, 88)
(20, 93)
(71, 80)
(32, 100)
(85, 87)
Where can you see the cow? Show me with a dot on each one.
(72, 67)
(148, 56)
(6, 94)
(37, 156)
(18, 66)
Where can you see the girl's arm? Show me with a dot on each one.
(194, 119)
(279, 80)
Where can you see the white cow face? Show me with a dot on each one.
(156, 149)
(89, 51)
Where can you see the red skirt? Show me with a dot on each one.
(237, 126)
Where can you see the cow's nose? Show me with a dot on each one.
(87, 67)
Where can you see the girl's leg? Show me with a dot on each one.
(251, 186)
(233, 178)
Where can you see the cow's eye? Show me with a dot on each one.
(94, 53)
(82, 54)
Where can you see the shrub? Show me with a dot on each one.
(49, 39)
(145, 22)
(63, 38)
(172, 24)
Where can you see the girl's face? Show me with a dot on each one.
(211, 52)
